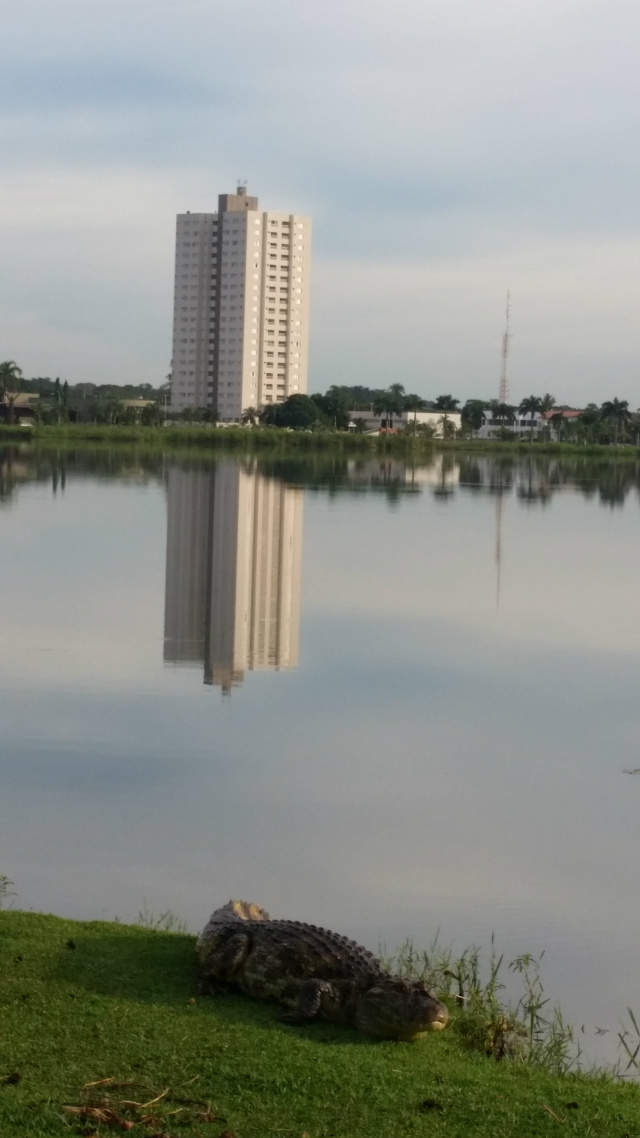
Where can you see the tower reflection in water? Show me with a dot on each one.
(232, 594)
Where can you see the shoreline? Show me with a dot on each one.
(255, 440)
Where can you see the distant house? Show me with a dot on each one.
(492, 428)
(21, 407)
(395, 422)
(553, 424)
(138, 404)
(521, 426)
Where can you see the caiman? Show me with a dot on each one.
(313, 973)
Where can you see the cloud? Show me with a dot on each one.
(435, 324)
(444, 142)
(67, 84)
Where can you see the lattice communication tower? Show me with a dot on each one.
(503, 395)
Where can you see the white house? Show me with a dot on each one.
(492, 428)
(521, 427)
(398, 421)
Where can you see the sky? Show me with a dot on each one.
(447, 151)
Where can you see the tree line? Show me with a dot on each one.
(611, 422)
(332, 410)
(62, 402)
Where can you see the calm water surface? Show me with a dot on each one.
(384, 699)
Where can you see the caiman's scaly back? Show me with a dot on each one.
(313, 972)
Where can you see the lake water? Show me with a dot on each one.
(385, 699)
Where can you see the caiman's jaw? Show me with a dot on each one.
(440, 1021)
(437, 1024)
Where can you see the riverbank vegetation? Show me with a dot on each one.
(208, 437)
(102, 1031)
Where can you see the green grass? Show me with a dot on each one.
(83, 1002)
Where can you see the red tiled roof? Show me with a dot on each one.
(565, 414)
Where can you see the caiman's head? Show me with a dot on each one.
(400, 1009)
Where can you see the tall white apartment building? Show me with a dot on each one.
(241, 307)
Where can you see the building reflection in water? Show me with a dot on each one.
(232, 594)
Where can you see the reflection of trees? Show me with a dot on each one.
(445, 489)
(471, 474)
(502, 474)
(8, 476)
(337, 475)
(537, 478)
(615, 483)
(531, 479)
(23, 464)
(610, 481)
(537, 481)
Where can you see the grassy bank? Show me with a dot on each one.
(208, 438)
(115, 1006)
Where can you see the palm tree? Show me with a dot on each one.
(504, 413)
(616, 410)
(588, 423)
(547, 403)
(414, 403)
(10, 375)
(151, 416)
(446, 403)
(249, 417)
(530, 406)
(269, 414)
(389, 402)
(473, 413)
(57, 398)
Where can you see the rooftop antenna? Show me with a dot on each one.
(503, 395)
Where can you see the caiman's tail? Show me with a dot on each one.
(219, 922)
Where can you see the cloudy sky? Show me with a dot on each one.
(447, 150)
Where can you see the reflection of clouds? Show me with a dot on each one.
(437, 562)
(85, 568)
(430, 766)
(232, 598)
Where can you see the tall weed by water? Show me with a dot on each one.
(527, 1031)
(629, 1039)
(167, 922)
(5, 890)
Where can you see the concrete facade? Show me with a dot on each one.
(241, 307)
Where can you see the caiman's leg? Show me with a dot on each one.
(221, 965)
(207, 986)
(311, 998)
